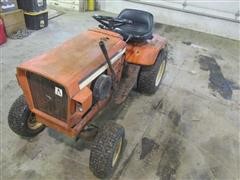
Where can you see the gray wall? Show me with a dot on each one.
(215, 17)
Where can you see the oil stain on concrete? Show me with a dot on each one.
(217, 81)
(175, 117)
(170, 159)
(158, 105)
(221, 152)
(148, 145)
(173, 148)
(188, 43)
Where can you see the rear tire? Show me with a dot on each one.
(22, 121)
(150, 77)
(106, 150)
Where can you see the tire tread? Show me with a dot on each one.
(17, 119)
(147, 75)
(102, 149)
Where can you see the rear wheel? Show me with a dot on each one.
(150, 77)
(22, 121)
(106, 150)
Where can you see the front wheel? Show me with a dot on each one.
(106, 150)
(150, 77)
(22, 121)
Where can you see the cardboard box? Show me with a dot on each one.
(13, 21)
(8, 5)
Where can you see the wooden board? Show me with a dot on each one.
(13, 21)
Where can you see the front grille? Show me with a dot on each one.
(48, 96)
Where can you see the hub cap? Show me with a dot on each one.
(117, 152)
(160, 73)
(32, 122)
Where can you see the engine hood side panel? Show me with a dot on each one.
(72, 61)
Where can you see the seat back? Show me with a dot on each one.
(139, 17)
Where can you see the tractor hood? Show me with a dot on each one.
(76, 59)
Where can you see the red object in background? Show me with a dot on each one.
(3, 37)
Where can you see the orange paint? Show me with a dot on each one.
(145, 53)
(74, 61)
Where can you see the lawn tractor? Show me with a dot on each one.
(65, 88)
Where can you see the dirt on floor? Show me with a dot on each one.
(188, 130)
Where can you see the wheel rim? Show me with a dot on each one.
(33, 123)
(160, 73)
(117, 152)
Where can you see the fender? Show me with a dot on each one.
(145, 53)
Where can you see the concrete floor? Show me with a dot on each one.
(188, 130)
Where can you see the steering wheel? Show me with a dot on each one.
(111, 23)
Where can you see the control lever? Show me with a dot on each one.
(105, 53)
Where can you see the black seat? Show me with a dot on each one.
(141, 28)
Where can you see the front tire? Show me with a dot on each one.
(22, 121)
(150, 77)
(106, 150)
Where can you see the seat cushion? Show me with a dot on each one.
(136, 29)
(142, 26)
